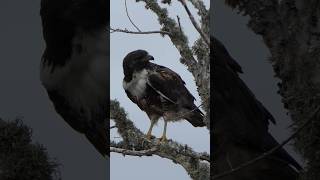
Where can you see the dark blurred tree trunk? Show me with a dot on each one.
(291, 31)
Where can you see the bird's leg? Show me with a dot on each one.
(164, 137)
(149, 135)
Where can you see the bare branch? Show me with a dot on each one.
(202, 11)
(195, 24)
(139, 32)
(177, 37)
(125, 3)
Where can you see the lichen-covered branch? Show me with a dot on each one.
(291, 31)
(147, 152)
(135, 143)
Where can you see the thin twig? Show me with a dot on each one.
(148, 152)
(271, 151)
(179, 23)
(125, 3)
(195, 24)
(139, 32)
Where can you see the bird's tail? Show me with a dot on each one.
(99, 140)
(282, 153)
(196, 118)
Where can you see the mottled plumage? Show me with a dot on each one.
(240, 124)
(75, 63)
(158, 91)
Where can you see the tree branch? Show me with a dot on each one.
(195, 24)
(148, 152)
(139, 32)
(125, 4)
(134, 142)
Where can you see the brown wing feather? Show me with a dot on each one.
(170, 85)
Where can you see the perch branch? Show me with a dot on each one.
(135, 141)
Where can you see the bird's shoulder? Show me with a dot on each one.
(168, 83)
(163, 73)
(222, 58)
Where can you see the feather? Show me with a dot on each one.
(238, 116)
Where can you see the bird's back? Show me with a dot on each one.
(240, 120)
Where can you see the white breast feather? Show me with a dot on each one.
(138, 83)
(83, 80)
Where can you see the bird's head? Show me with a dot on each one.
(136, 61)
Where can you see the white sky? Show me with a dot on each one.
(166, 54)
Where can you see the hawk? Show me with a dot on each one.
(240, 125)
(74, 64)
(158, 91)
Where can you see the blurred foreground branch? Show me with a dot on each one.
(20, 158)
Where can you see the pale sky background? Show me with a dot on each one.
(166, 54)
(22, 95)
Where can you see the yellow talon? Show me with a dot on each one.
(163, 139)
(149, 136)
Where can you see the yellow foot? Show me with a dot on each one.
(163, 139)
(149, 136)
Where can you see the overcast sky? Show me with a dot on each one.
(22, 95)
(166, 54)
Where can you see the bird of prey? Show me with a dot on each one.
(158, 91)
(74, 64)
(240, 125)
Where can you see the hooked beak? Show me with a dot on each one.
(150, 58)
